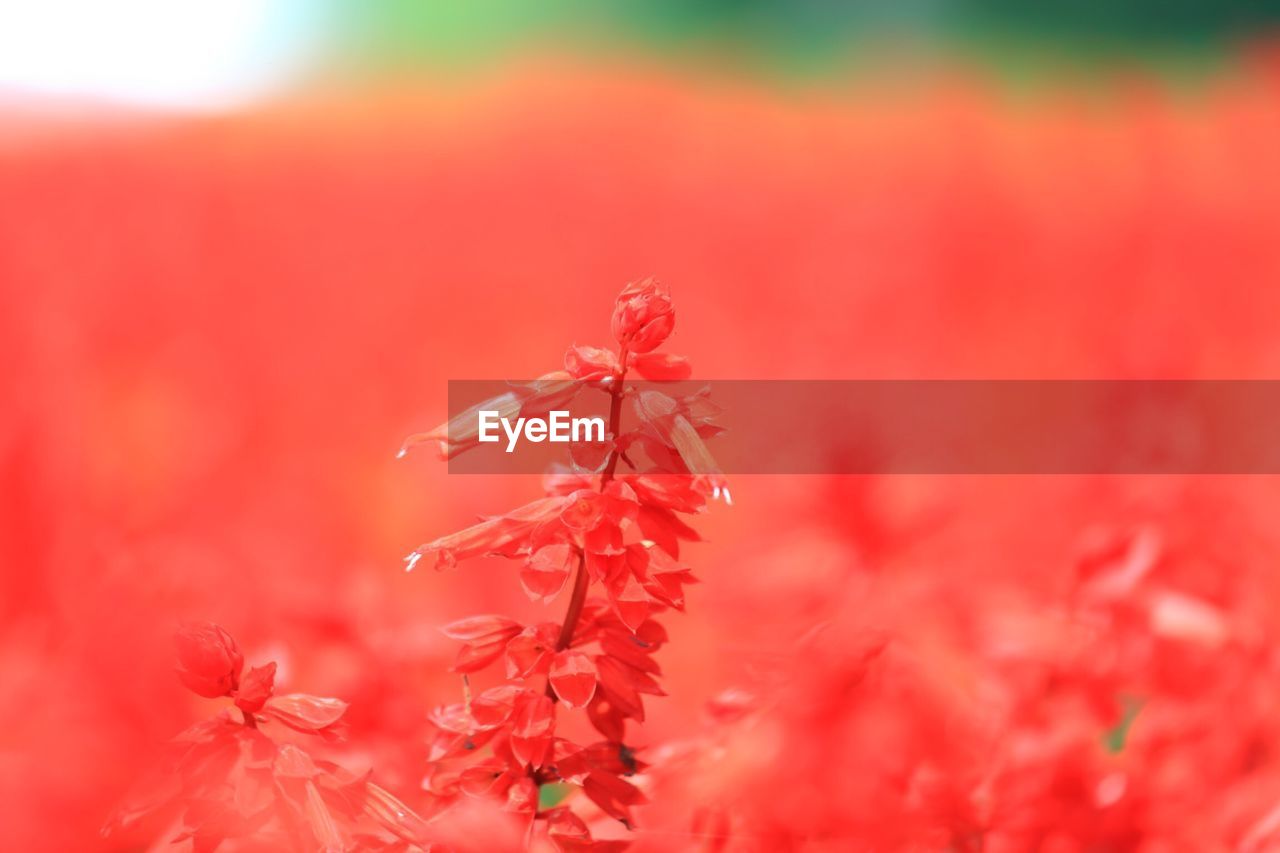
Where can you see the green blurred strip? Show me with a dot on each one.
(797, 33)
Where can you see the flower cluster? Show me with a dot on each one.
(613, 537)
(1122, 699)
(232, 781)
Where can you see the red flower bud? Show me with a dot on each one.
(209, 662)
(643, 316)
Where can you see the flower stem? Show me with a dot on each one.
(615, 417)
(576, 600)
(580, 580)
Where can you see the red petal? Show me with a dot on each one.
(462, 432)
(631, 603)
(618, 691)
(587, 845)
(584, 510)
(490, 536)
(630, 649)
(293, 763)
(488, 627)
(665, 529)
(312, 714)
(607, 718)
(255, 688)
(529, 651)
(397, 817)
(590, 362)
(613, 795)
(321, 821)
(662, 367)
(475, 657)
(547, 571)
(669, 491)
(522, 796)
(495, 705)
(563, 823)
(485, 778)
(573, 677)
(615, 673)
(532, 727)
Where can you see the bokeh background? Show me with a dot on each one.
(243, 246)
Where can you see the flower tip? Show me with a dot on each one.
(412, 560)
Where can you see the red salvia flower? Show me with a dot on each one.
(229, 780)
(617, 534)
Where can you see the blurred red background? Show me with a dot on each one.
(216, 332)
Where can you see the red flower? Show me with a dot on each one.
(230, 781)
(643, 316)
(209, 661)
(617, 532)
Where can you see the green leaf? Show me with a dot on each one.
(1114, 739)
(552, 794)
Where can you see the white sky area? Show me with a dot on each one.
(169, 54)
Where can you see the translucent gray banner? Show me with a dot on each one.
(873, 426)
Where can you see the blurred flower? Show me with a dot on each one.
(209, 662)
